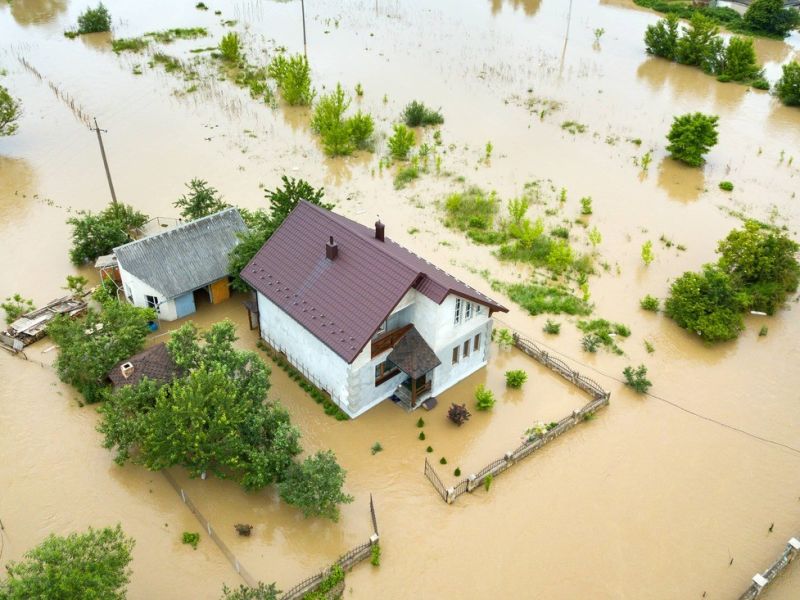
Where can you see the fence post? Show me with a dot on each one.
(451, 495)
(471, 485)
(509, 456)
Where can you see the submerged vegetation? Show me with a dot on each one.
(600, 332)
(293, 78)
(15, 306)
(341, 135)
(788, 86)
(201, 200)
(97, 234)
(92, 20)
(637, 379)
(10, 112)
(416, 114)
(691, 137)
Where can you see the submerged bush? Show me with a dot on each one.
(484, 399)
(471, 209)
(416, 114)
(650, 303)
(726, 186)
(515, 379)
(293, 78)
(661, 39)
(538, 299)
(340, 136)
(401, 142)
(458, 414)
(230, 47)
(788, 86)
(94, 20)
(552, 327)
(15, 306)
(600, 332)
(691, 136)
(637, 379)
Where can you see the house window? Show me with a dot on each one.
(476, 342)
(455, 355)
(385, 371)
(457, 319)
(466, 349)
(152, 302)
(468, 311)
(478, 309)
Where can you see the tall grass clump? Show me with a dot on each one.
(416, 114)
(340, 135)
(293, 78)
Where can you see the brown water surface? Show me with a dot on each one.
(647, 501)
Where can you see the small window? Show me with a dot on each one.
(385, 371)
(455, 355)
(457, 318)
(468, 311)
(476, 343)
(152, 302)
(466, 349)
(478, 309)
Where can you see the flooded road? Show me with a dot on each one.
(647, 501)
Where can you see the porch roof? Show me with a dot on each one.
(413, 356)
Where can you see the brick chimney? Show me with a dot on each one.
(331, 250)
(379, 229)
(126, 369)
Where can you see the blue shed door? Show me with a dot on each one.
(184, 305)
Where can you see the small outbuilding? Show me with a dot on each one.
(172, 270)
(154, 363)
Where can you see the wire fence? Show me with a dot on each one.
(243, 573)
(599, 399)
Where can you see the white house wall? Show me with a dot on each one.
(136, 290)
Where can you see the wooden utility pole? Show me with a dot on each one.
(305, 46)
(105, 160)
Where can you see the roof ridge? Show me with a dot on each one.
(187, 224)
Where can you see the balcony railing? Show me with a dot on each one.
(387, 340)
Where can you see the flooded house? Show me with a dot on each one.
(153, 363)
(362, 317)
(174, 270)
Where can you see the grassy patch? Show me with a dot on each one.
(600, 332)
(540, 299)
(405, 175)
(180, 33)
(573, 127)
(129, 44)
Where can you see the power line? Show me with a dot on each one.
(673, 404)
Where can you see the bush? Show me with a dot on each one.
(375, 555)
(457, 472)
(760, 84)
(692, 136)
(429, 449)
(600, 332)
(487, 482)
(361, 127)
(458, 414)
(293, 78)
(376, 447)
(700, 45)
(230, 47)
(315, 486)
(650, 303)
(552, 327)
(420, 422)
(416, 114)
(405, 175)
(586, 205)
(340, 136)
(788, 86)
(191, 539)
(637, 379)
(15, 306)
(503, 337)
(471, 209)
(770, 16)
(443, 461)
(726, 186)
(540, 299)
(129, 44)
(421, 436)
(94, 20)
(401, 142)
(515, 379)
(10, 112)
(739, 62)
(484, 399)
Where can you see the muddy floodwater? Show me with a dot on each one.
(647, 501)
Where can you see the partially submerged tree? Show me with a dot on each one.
(86, 565)
(201, 200)
(788, 86)
(10, 112)
(691, 136)
(15, 306)
(293, 77)
(341, 135)
(315, 486)
(96, 234)
(771, 17)
(661, 39)
(94, 20)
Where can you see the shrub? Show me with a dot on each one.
(637, 378)
(503, 337)
(661, 39)
(770, 16)
(15, 306)
(739, 62)
(699, 43)
(650, 303)
(443, 461)
(457, 472)
(361, 127)
(763, 331)
(586, 205)
(515, 379)
(421, 435)
(191, 539)
(470, 210)
(94, 20)
(573, 127)
(230, 47)
(726, 186)
(539, 299)
(416, 114)
(590, 342)
(760, 84)
(429, 449)
(788, 86)
(420, 422)
(401, 142)
(602, 332)
(552, 327)
(405, 175)
(340, 136)
(376, 447)
(315, 486)
(375, 555)
(487, 482)
(293, 78)
(484, 399)
(692, 136)
(458, 414)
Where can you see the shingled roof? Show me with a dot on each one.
(154, 363)
(185, 257)
(413, 356)
(343, 301)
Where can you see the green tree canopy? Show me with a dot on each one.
(91, 565)
(739, 61)
(89, 346)
(262, 591)
(772, 17)
(691, 136)
(699, 42)
(10, 112)
(201, 200)
(762, 265)
(97, 234)
(788, 86)
(262, 224)
(315, 486)
(707, 303)
(661, 39)
(94, 20)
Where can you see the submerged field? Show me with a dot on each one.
(646, 501)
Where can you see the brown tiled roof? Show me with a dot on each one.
(413, 356)
(343, 301)
(153, 363)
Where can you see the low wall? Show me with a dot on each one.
(762, 580)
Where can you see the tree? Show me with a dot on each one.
(293, 77)
(282, 201)
(699, 42)
(15, 306)
(762, 265)
(213, 418)
(87, 565)
(771, 17)
(661, 39)
(94, 20)
(739, 61)
(117, 331)
(262, 591)
(201, 201)
(788, 86)
(10, 112)
(315, 486)
(692, 136)
(401, 142)
(706, 303)
(94, 235)
(230, 47)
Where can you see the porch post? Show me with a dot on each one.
(413, 392)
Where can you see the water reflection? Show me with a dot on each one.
(100, 42)
(16, 188)
(36, 12)
(529, 7)
(680, 181)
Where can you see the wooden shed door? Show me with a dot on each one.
(220, 290)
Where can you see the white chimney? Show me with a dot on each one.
(126, 369)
